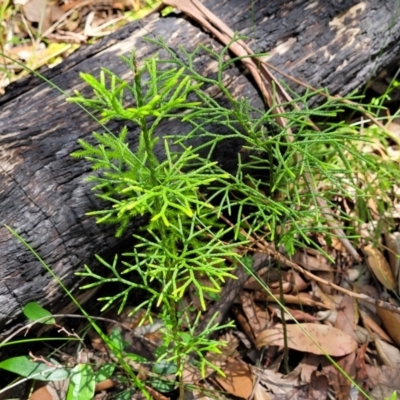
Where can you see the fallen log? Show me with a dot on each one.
(43, 193)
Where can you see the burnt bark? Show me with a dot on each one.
(43, 193)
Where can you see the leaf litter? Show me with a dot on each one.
(319, 319)
(40, 32)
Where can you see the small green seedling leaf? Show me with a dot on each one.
(162, 386)
(104, 372)
(213, 296)
(116, 339)
(247, 261)
(164, 368)
(160, 351)
(40, 371)
(135, 357)
(82, 383)
(34, 311)
(185, 337)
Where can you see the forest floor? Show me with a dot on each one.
(361, 337)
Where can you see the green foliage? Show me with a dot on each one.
(180, 248)
(31, 368)
(82, 377)
(184, 192)
(34, 312)
(40, 371)
(104, 372)
(82, 383)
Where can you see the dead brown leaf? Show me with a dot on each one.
(385, 376)
(346, 322)
(346, 316)
(380, 267)
(104, 385)
(312, 262)
(388, 354)
(260, 393)
(325, 339)
(391, 322)
(256, 318)
(361, 375)
(243, 323)
(35, 10)
(291, 315)
(278, 383)
(325, 298)
(319, 386)
(392, 241)
(394, 126)
(311, 362)
(55, 390)
(371, 325)
(238, 379)
(298, 283)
